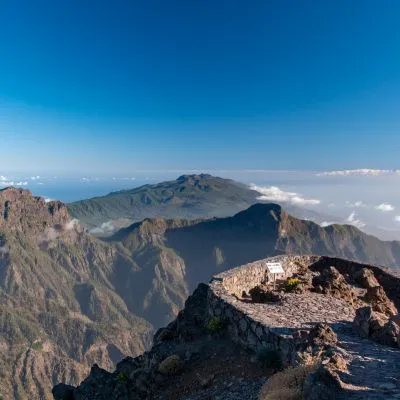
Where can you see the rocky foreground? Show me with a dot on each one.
(332, 322)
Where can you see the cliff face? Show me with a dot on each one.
(59, 309)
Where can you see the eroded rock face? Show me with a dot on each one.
(19, 210)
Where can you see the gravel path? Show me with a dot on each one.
(374, 372)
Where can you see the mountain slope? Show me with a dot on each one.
(189, 196)
(175, 255)
(59, 309)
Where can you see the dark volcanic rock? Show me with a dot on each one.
(260, 295)
(376, 326)
(63, 392)
(377, 298)
(332, 282)
(322, 334)
(366, 278)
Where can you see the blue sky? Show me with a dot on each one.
(121, 86)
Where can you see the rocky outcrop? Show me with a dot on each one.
(137, 378)
(377, 298)
(366, 278)
(332, 282)
(370, 324)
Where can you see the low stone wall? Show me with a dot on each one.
(242, 327)
(251, 334)
(271, 326)
(246, 277)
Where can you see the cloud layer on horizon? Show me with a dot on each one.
(274, 193)
(359, 172)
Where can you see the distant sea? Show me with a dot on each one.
(68, 190)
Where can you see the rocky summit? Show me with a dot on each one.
(60, 311)
(313, 341)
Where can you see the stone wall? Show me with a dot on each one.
(250, 333)
(242, 326)
(245, 277)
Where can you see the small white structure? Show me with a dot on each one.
(275, 268)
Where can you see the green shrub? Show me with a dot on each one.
(214, 324)
(37, 346)
(122, 377)
(269, 358)
(292, 284)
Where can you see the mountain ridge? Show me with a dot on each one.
(175, 255)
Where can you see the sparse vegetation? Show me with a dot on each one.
(291, 284)
(122, 377)
(37, 346)
(269, 358)
(171, 365)
(214, 324)
(287, 384)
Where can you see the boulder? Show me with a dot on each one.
(377, 298)
(332, 282)
(370, 324)
(321, 335)
(390, 334)
(260, 295)
(366, 278)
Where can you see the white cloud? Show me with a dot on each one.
(385, 207)
(327, 223)
(359, 172)
(358, 203)
(273, 193)
(34, 178)
(47, 200)
(104, 228)
(352, 220)
(397, 218)
(13, 183)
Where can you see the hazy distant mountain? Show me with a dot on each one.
(175, 255)
(189, 196)
(60, 311)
